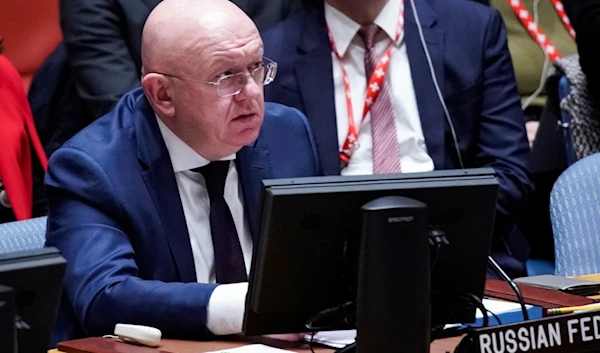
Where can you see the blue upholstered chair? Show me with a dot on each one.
(575, 213)
(24, 235)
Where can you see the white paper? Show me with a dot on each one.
(253, 348)
(335, 339)
(500, 307)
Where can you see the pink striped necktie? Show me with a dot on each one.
(386, 151)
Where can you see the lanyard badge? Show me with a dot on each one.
(374, 86)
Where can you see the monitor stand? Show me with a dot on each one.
(393, 294)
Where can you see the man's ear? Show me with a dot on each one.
(157, 89)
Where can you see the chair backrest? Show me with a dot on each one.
(24, 235)
(575, 214)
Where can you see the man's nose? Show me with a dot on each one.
(251, 89)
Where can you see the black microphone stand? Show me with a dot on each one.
(512, 285)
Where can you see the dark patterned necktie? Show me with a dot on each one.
(386, 152)
(229, 259)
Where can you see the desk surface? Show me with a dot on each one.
(497, 289)
(104, 345)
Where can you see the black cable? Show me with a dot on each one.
(512, 285)
(437, 239)
(479, 305)
(345, 311)
(471, 301)
(495, 317)
(337, 315)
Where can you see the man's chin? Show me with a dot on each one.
(245, 130)
(245, 137)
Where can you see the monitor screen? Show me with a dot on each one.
(306, 257)
(36, 278)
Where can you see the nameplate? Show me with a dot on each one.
(569, 333)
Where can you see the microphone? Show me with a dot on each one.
(512, 285)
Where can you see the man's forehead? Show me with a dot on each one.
(237, 47)
(236, 38)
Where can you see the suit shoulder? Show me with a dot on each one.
(287, 130)
(469, 8)
(276, 113)
(476, 19)
(284, 120)
(470, 12)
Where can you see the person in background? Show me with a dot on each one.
(22, 158)
(531, 68)
(529, 59)
(388, 117)
(155, 205)
(585, 16)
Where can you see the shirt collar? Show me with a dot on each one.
(344, 29)
(183, 157)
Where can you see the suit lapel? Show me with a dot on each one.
(253, 165)
(162, 187)
(430, 109)
(313, 72)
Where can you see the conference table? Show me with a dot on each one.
(109, 345)
(495, 289)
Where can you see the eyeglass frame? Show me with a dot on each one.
(270, 65)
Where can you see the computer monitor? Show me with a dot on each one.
(36, 278)
(306, 257)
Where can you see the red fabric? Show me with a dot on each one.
(31, 31)
(17, 132)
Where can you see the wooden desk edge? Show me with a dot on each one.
(438, 346)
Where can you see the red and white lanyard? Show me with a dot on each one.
(535, 32)
(373, 88)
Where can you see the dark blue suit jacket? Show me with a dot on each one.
(116, 215)
(467, 44)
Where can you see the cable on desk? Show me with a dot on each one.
(340, 315)
(343, 314)
(471, 301)
(499, 322)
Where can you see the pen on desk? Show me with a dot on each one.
(570, 309)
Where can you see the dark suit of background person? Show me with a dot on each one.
(116, 215)
(474, 69)
(103, 40)
(585, 17)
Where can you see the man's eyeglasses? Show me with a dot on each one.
(230, 85)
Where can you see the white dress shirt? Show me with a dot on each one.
(227, 302)
(413, 152)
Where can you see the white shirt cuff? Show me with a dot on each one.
(225, 311)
